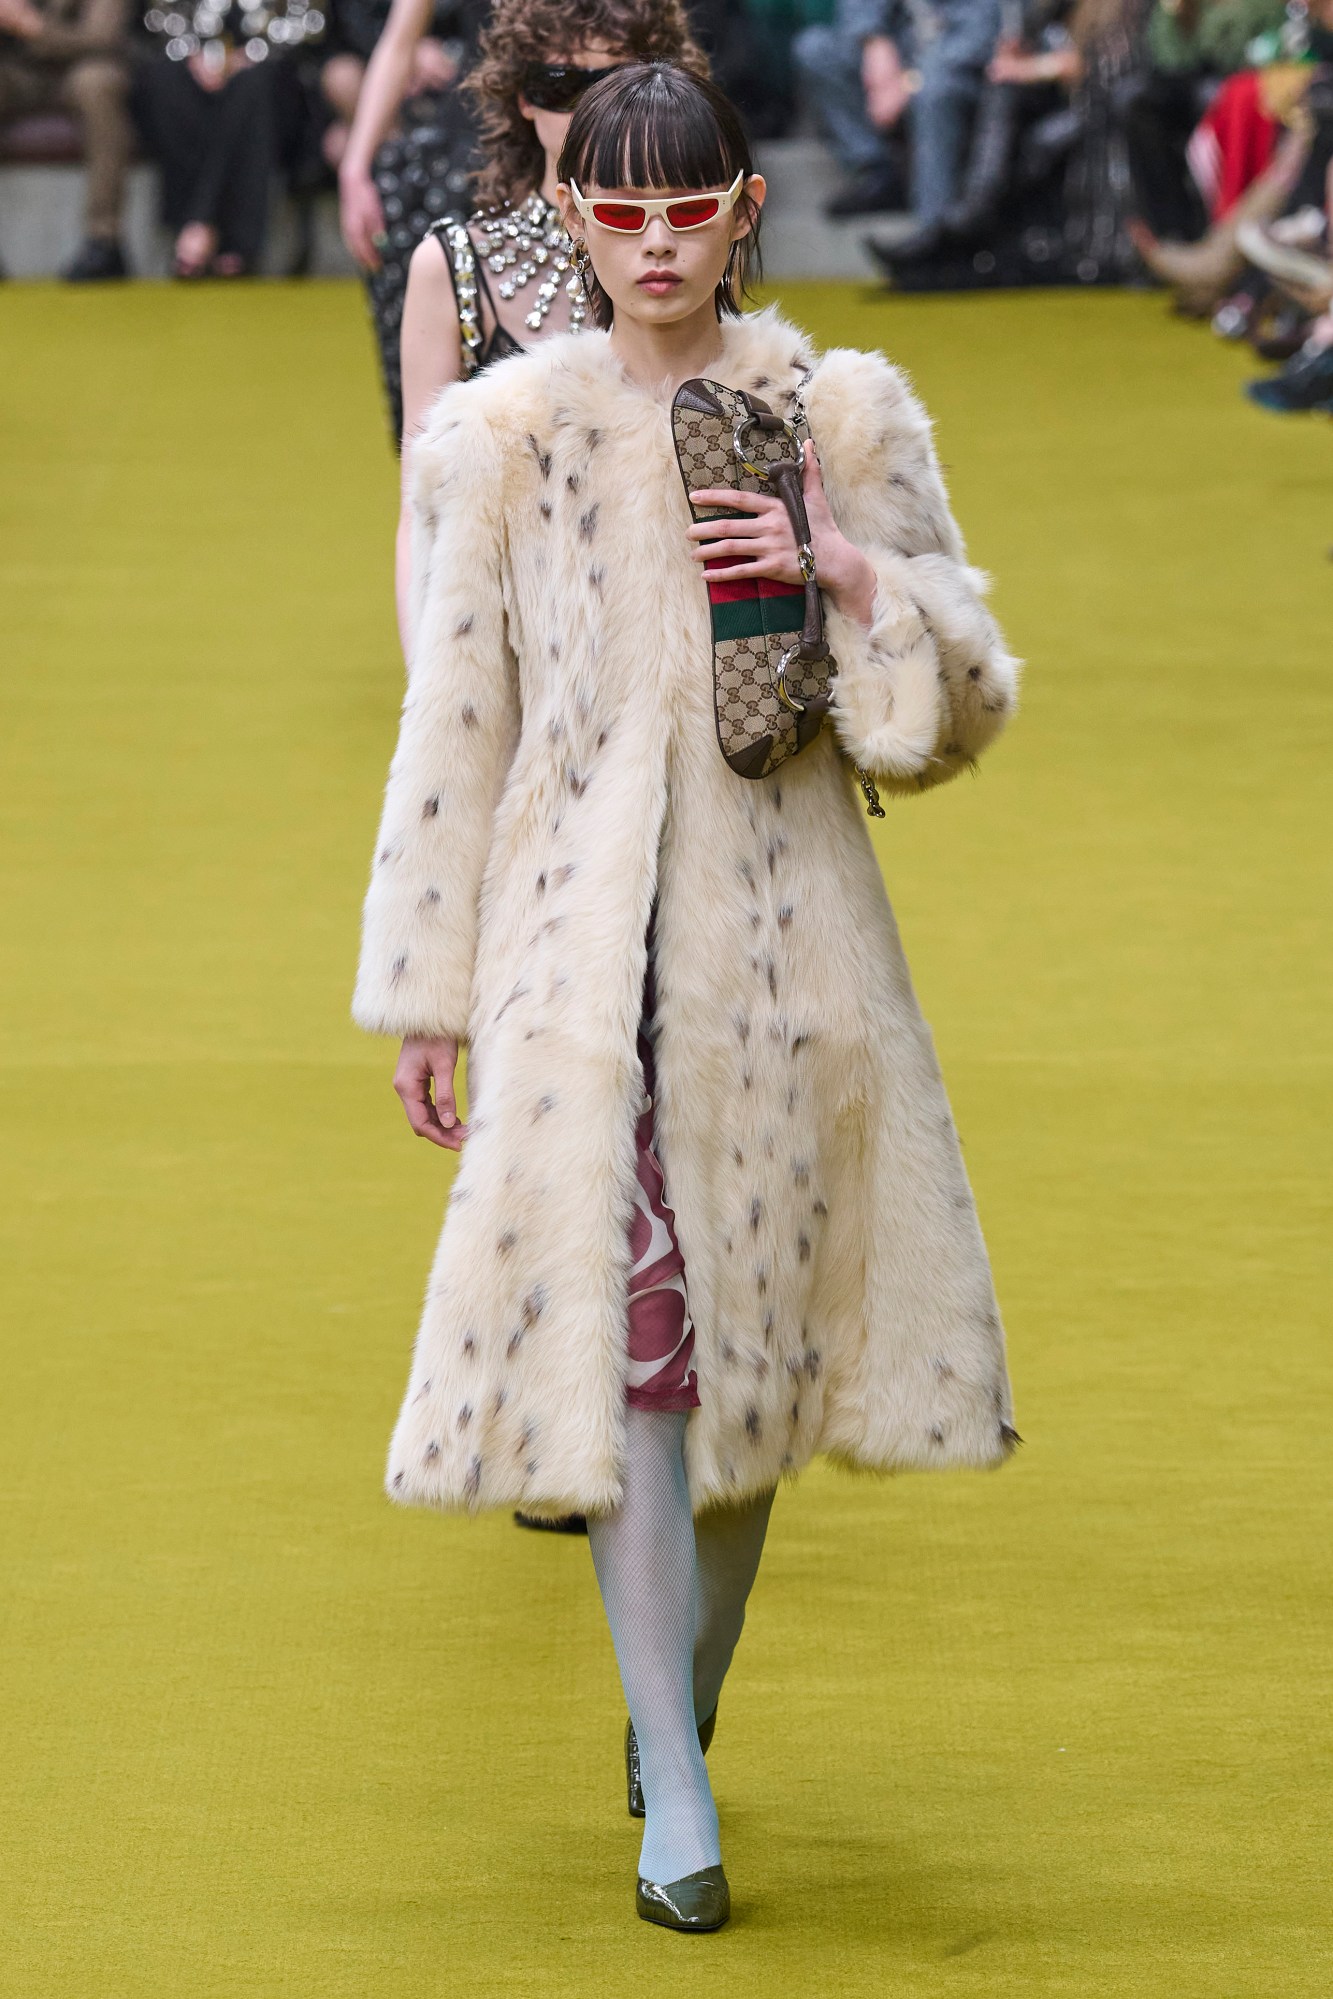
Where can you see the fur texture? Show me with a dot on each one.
(558, 761)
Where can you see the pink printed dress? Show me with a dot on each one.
(661, 1334)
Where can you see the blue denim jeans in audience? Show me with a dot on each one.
(948, 43)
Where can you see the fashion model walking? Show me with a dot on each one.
(567, 871)
(483, 287)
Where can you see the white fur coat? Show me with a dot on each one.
(557, 762)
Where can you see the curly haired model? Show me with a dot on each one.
(524, 32)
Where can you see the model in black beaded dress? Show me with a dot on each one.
(484, 286)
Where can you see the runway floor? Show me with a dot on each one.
(1060, 1730)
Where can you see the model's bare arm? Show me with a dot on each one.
(431, 352)
(386, 80)
(424, 1080)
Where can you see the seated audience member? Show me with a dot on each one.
(1207, 276)
(205, 96)
(1190, 46)
(69, 55)
(1023, 83)
(1296, 255)
(1046, 193)
(1263, 214)
(885, 67)
(843, 67)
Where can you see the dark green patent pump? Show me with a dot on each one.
(699, 1901)
(633, 1782)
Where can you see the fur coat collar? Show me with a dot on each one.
(557, 767)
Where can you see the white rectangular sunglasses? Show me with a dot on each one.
(679, 211)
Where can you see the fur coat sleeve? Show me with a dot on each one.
(459, 727)
(930, 685)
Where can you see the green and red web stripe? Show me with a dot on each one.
(751, 608)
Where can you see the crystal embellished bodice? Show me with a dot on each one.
(493, 260)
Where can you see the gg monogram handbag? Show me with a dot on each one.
(772, 670)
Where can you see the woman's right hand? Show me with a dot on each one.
(422, 1063)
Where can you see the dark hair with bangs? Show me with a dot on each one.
(650, 125)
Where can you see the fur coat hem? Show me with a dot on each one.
(557, 773)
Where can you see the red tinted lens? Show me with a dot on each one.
(690, 214)
(619, 214)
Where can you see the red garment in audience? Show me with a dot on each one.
(1232, 143)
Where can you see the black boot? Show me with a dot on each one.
(947, 269)
(923, 245)
(1306, 383)
(971, 217)
(1285, 334)
(872, 191)
(98, 260)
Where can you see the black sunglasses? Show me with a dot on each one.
(555, 86)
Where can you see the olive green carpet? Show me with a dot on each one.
(1060, 1730)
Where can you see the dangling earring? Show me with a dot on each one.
(578, 290)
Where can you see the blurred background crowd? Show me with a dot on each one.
(979, 143)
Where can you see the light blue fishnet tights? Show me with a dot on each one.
(674, 1591)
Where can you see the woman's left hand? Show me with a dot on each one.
(760, 541)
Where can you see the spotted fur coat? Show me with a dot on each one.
(557, 762)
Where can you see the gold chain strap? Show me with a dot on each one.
(870, 791)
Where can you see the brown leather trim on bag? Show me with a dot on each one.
(770, 684)
(786, 477)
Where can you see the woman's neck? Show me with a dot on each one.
(657, 357)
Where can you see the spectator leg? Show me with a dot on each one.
(96, 90)
(1157, 113)
(176, 119)
(242, 164)
(1314, 188)
(23, 88)
(986, 179)
(828, 63)
(941, 115)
